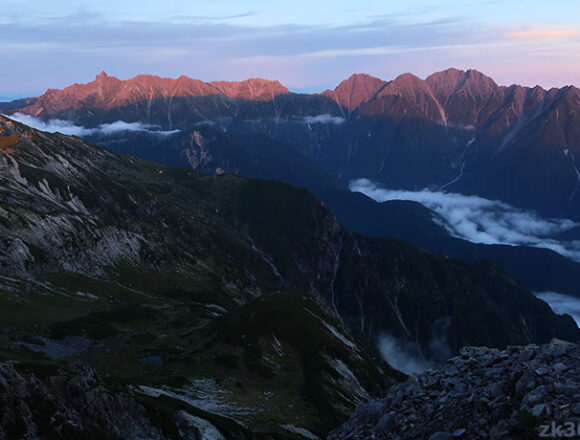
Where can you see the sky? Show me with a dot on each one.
(307, 45)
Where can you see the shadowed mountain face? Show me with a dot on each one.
(8, 105)
(214, 152)
(180, 285)
(152, 215)
(456, 130)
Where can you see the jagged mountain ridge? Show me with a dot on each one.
(108, 92)
(458, 98)
(456, 130)
(461, 98)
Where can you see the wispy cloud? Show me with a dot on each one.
(185, 18)
(543, 34)
(392, 50)
(225, 42)
(67, 127)
(481, 220)
(298, 55)
(52, 126)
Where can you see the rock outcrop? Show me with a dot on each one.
(67, 403)
(482, 394)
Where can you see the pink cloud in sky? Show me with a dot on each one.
(543, 34)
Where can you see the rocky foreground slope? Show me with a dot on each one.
(516, 393)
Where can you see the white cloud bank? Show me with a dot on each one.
(67, 127)
(481, 220)
(561, 304)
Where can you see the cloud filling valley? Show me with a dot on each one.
(481, 220)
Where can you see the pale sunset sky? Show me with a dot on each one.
(308, 45)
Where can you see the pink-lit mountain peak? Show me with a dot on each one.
(255, 89)
(356, 90)
(108, 91)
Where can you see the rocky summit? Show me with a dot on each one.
(523, 392)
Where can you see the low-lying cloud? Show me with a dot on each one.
(402, 355)
(562, 304)
(69, 128)
(115, 127)
(52, 126)
(405, 356)
(481, 220)
(324, 119)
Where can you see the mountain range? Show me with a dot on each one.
(144, 300)
(456, 131)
